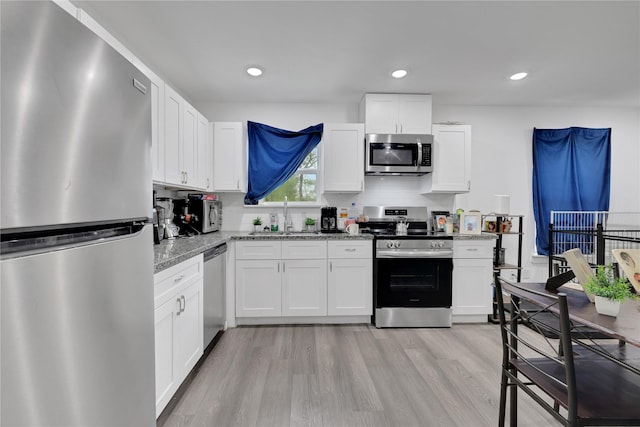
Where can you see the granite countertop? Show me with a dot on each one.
(172, 252)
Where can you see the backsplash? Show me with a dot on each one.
(400, 191)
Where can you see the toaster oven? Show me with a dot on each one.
(208, 214)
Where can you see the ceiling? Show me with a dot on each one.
(577, 53)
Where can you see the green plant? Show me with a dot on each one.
(310, 221)
(605, 285)
(257, 221)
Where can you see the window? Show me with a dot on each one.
(302, 186)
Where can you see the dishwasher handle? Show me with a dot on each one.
(215, 251)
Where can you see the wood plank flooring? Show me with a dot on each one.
(350, 375)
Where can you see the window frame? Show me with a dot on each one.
(319, 179)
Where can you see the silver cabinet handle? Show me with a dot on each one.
(176, 280)
(278, 267)
(350, 249)
(237, 184)
(330, 266)
(472, 249)
(179, 306)
(400, 128)
(396, 128)
(469, 185)
(208, 183)
(283, 267)
(184, 301)
(187, 174)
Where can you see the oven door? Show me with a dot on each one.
(413, 282)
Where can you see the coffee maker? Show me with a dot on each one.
(329, 220)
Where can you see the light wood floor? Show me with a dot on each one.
(352, 375)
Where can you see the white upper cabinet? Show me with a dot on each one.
(396, 113)
(173, 135)
(343, 157)
(157, 120)
(94, 26)
(228, 156)
(205, 154)
(451, 160)
(190, 145)
(181, 125)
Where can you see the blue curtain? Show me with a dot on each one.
(571, 172)
(275, 155)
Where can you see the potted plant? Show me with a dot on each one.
(610, 291)
(310, 223)
(257, 224)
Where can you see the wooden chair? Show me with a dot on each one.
(577, 384)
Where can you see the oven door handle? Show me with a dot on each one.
(415, 254)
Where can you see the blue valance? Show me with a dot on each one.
(275, 155)
(571, 172)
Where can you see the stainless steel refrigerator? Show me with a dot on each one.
(76, 261)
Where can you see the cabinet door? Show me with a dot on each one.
(414, 113)
(472, 291)
(343, 153)
(165, 343)
(451, 160)
(228, 156)
(173, 124)
(205, 155)
(190, 144)
(350, 287)
(304, 287)
(157, 120)
(190, 329)
(258, 289)
(381, 113)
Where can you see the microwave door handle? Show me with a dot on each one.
(212, 213)
(419, 159)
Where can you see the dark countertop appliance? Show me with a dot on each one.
(329, 220)
(207, 211)
(398, 154)
(412, 271)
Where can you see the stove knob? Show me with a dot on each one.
(390, 244)
(434, 244)
(441, 244)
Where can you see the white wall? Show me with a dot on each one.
(501, 159)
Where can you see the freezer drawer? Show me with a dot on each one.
(78, 335)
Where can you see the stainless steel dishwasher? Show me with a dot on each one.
(214, 295)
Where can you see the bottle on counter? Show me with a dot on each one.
(274, 222)
(353, 211)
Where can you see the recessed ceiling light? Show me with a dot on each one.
(398, 74)
(254, 71)
(518, 76)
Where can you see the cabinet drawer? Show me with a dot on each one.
(350, 249)
(473, 249)
(304, 249)
(177, 275)
(254, 249)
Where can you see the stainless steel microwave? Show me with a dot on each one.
(398, 154)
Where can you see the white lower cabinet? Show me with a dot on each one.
(258, 287)
(294, 278)
(472, 276)
(304, 287)
(350, 283)
(178, 326)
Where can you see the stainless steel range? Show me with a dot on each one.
(412, 268)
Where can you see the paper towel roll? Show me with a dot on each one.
(502, 203)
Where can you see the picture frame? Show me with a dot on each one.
(629, 261)
(470, 223)
(439, 219)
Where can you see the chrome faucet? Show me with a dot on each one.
(288, 225)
